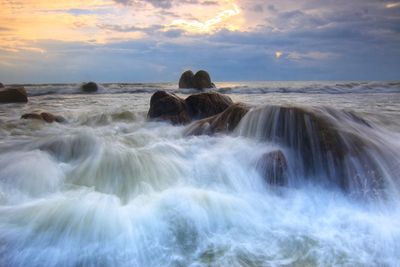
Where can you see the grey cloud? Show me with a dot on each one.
(163, 4)
(130, 28)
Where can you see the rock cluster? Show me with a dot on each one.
(200, 80)
(170, 107)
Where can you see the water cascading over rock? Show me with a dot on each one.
(329, 147)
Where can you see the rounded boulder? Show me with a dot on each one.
(202, 80)
(208, 104)
(89, 87)
(13, 95)
(168, 106)
(186, 80)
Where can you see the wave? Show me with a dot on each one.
(227, 88)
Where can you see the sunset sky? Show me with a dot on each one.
(150, 41)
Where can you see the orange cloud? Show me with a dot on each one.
(27, 21)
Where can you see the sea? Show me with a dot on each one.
(110, 187)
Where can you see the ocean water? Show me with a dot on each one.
(111, 188)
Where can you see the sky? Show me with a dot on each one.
(48, 41)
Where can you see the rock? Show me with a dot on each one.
(204, 105)
(44, 116)
(186, 80)
(13, 95)
(223, 122)
(1, 85)
(89, 87)
(202, 80)
(273, 168)
(167, 106)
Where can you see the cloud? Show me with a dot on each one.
(311, 55)
(148, 40)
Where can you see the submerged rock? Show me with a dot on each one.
(273, 168)
(223, 122)
(204, 105)
(13, 95)
(169, 107)
(200, 80)
(89, 87)
(44, 116)
(186, 80)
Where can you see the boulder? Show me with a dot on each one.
(202, 80)
(1, 85)
(208, 104)
(44, 116)
(168, 106)
(186, 80)
(223, 122)
(273, 168)
(13, 95)
(89, 87)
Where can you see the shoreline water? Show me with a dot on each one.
(110, 187)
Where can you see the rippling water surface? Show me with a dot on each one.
(109, 188)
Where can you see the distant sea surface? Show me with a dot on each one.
(110, 188)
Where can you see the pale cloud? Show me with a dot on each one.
(310, 55)
(224, 17)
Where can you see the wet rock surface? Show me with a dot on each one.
(204, 105)
(168, 107)
(223, 122)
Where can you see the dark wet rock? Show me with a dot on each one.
(223, 122)
(44, 116)
(202, 80)
(169, 107)
(89, 87)
(1, 85)
(273, 168)
(208, 104)
(13, 95)
(186, 80)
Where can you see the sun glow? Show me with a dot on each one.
(223, 19)
(392, 5)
